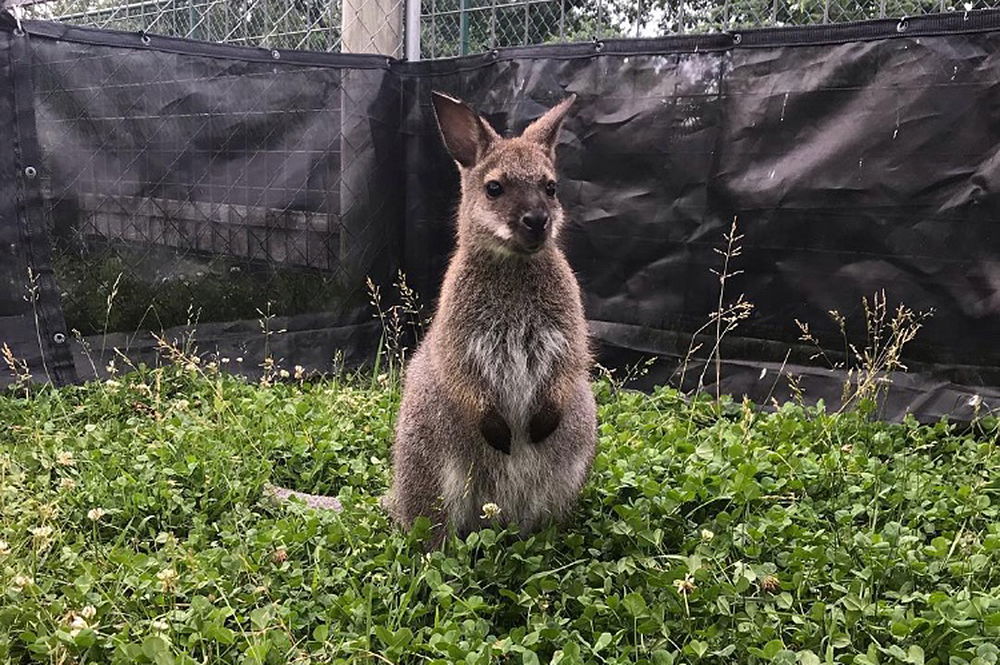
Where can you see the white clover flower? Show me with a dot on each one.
(48, 510)
(490, 510)
(95, 514)
(160, 626)
(770, 584)
(67, 484)
(88, 612)
(167, 577)
(4, 548)
(65, 458)
(707, 535)
(284, 374)
(685, 586)
(22, 581)
(41, 532)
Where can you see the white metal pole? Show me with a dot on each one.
(413, 30)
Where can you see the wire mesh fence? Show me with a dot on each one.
(457, 27)
(315, 25)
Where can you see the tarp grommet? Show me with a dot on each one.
(902, 25)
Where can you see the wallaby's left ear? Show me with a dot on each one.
(466, 134)
(545, 130)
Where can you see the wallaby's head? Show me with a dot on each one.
(509, 192)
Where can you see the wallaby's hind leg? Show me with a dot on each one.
(417, 450)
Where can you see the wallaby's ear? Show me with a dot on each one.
(465, 133)
(545, 130)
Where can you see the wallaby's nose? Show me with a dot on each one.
(536, 221)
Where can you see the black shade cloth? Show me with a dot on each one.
(179, 184)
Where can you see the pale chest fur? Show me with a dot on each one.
(515, 357)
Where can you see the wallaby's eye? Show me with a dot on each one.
(550, 188)
(493, 189)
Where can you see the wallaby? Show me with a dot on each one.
(497, 406)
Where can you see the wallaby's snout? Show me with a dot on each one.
(508, 185)
(531, 222)
(537, 223)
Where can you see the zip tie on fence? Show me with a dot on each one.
(17, 11)
(143, 36)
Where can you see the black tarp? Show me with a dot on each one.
(228, 184)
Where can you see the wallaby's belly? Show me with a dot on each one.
(513, 361)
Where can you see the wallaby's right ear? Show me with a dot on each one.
(465, 133)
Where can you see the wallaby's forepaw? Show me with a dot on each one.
(495, 430)
(544, 422)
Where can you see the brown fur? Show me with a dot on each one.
(497, 406)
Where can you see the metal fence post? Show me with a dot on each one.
(412, 51)
(463, 26)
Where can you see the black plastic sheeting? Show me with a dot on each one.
(231, 186)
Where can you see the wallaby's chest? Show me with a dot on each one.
(514, 353)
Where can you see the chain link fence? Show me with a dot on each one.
(457, 27)
(361, 26)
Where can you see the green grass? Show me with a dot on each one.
(701, 537)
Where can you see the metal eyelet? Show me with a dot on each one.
(598, 46)
(59, 338)
(737, 38)
(144, 38)
(275, 54)
(902, 25)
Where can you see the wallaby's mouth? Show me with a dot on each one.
(529, 240)
(532, 246)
